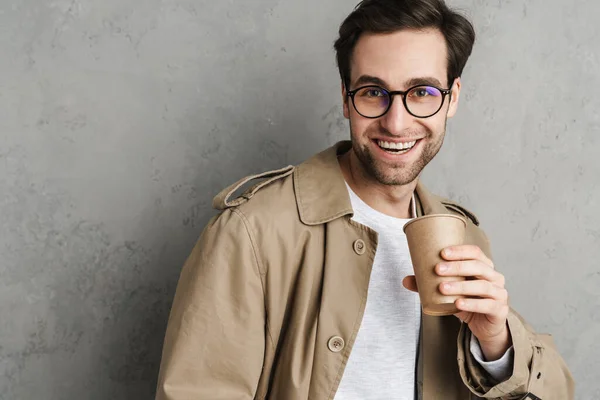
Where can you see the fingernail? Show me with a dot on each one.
(443, 268)
(447, 252)
(446, 286)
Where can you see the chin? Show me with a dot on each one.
(394, 176)
(396, 181)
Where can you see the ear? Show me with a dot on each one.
(345, 102)
(454, 97)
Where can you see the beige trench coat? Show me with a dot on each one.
(272, 296)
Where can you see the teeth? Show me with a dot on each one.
(396, 146)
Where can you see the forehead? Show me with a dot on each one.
(400, 56)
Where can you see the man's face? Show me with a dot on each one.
(399, 61)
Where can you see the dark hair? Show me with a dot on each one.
(388, 16)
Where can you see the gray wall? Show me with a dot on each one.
(120, 119)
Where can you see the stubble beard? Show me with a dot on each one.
(398, 174)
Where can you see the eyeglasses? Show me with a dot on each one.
(421, 101)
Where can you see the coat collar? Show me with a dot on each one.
(322, 195)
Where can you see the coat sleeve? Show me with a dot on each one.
(215, 339)
(538, 367)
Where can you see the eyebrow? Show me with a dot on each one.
(370, 80)
(373, 80)
(427, 80)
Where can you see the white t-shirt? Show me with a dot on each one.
(383, 360)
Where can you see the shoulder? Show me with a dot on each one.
(267, 209)
(433, 203)
(459, 209)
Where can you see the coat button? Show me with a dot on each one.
(360, 247)
(336, 344)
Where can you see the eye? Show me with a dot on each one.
(375, 93)
(424, 91)
(372, 92)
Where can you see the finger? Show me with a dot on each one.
(471, 268)
(464, 316)
(466, 252)
(410, 283)
(479, 288)
(498, 312)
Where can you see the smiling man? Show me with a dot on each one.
(302, 287)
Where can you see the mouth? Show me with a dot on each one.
(396, 148)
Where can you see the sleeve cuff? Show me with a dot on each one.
(479, 381)
(501, 369)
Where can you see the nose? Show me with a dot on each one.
(397, 119)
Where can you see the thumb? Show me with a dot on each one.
(410, 283)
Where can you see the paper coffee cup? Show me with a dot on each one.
(427, 237)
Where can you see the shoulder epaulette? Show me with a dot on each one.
(225, 200)
(457, 208)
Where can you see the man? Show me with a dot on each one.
(295, 290)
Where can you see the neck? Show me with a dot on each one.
(392, 200)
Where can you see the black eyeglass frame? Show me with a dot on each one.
(391, 94)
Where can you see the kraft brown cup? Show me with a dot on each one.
(427, 237)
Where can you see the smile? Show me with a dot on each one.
(396, 147)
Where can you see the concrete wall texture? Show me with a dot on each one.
(120, 119)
